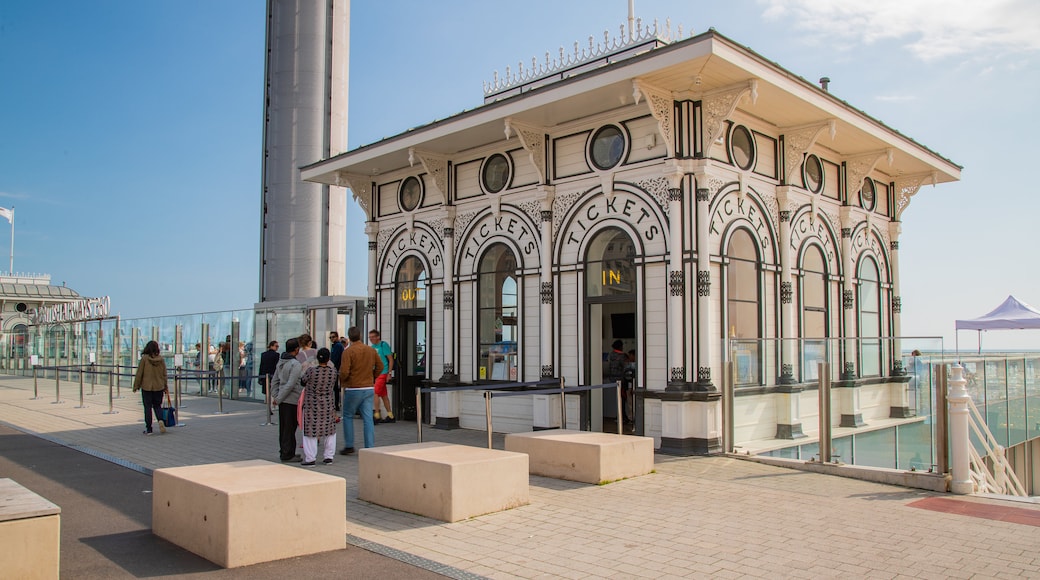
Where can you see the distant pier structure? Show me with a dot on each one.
(303, 235)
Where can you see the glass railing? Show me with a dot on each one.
(879, 399)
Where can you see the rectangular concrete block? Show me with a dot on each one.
(246, 512)
(443, 481)
(584, 456)
(30, 533)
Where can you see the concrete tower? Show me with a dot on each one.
(303, 236)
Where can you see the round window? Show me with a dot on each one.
(812, 173)
(496, 173)
(742, 147)
(868, 195)
(608, 147)
(411, 193)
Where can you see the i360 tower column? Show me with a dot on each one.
(303, 237)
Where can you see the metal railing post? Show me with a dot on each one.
(36, 384)
(110, 411)
(119, 386)
(418, 414)
(824, 371)
(728, 430)
(82, 405)
(487, 413)
(220, 396)
(267, 399)
(177, 388)
(57, 386)
(563, 406)
(620, 415)
(93, 378)
(940, 417)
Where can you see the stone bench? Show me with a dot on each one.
(584, 455)
(245, 512)
(443, 481)
(30, 533)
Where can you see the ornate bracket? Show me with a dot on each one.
(797, 142)
(907, 187)
(662, 107)
(532, 138)
(703, 283)
(717, 106)
(677, 282)
(435, 165)
(360, 188)
(857, 167)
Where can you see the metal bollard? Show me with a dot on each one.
(824, 372)
(563, 406)
(57, 386)
(82, 405)
(487, 412)
(267, 400)
(177, 388)
(418, 414)
(36, 385)
(119, 387)
(220, 397)
(620, 415)
(93, 378)
(110, 410)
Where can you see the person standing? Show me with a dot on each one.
(268, 362)
(336, 354)
(615, 371)
(318, 410)
(386, 355)
(151, 381)
(286, 388)
(358, 370)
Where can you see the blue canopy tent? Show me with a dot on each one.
(1013, 314)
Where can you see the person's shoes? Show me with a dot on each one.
(307, 464)
(327, 461)
(293, 459)
(162, 427)
(147, 431)
(346, 451)
(389, 420)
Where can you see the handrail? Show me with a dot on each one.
(1003, 479)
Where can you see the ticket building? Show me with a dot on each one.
(690, 198)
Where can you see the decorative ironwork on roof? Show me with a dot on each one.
(641, 37)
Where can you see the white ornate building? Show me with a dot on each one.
(687, 197)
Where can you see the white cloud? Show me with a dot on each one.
(13, 195)
(932, 29)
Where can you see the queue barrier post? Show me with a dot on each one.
(111, 410)
(57, 386)
(267, 400)
(81, 405)
(36, 384)
(93, 378)
(220, 394)
(563, 406)
(119, 386)
(620, 415)
(487, 412)
(418, 413)
(177, 387)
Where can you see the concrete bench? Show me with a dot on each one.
(30, 533)
(584, 455)
(245, 512)
(443, 481)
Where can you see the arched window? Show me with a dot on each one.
(411, 285)
(869, 318)
(813, 295)
(497, 325)
(610, 266)
(743, 299)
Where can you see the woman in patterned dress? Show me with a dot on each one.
(318, 410)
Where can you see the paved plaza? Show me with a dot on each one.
(714, 517)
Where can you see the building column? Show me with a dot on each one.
(788, 403)
(447, 406)
(847, 391)
(704, 341)
(546, 407)
(898, 391)
(372, 230)
(676, 291)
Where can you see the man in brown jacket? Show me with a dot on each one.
(358, 369)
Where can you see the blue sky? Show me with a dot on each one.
(130, 131)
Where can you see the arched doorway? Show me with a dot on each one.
(610, 315)
(497, 324)
(410, 344)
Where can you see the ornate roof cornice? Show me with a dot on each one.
(435, 165)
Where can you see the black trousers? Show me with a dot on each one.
(287, 430)
(153, 401)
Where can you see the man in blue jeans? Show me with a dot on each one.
(358, 369)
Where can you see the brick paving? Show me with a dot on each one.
(702, 517)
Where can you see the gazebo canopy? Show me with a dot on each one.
(1010, 315)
